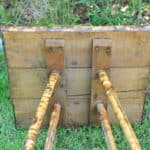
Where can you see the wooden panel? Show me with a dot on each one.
(125, 79)
(31, 83)
(77, 110)
(25, 110)
(26, 62)
(24, 52)
(27, 83)
(139, 94)
(77, 55)
(129, 48)
(78, 50)
(132, 107)
(25, 49)
(77, 81)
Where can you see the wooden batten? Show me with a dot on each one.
(101, 59)
(25, 50)
(54, 54)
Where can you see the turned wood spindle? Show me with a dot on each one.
(41, 110)
(119, 112)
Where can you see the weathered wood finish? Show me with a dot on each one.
(101, 59)
(41, 111)
(104, 119)
(25, 52)
(119, 112)
(80, 106)
(21, 81)
(52, 127)
(54, 54)
(27, 49)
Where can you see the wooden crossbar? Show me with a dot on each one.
(119, 112)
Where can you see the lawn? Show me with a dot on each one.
(73, 12)
(85, 137)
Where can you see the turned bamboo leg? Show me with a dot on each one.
(120, 114)
(52, 127)
(41, 110)
(106, 127)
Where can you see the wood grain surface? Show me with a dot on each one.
(28, 73)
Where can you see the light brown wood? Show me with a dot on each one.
(101, 59)
(25, 52)
(52, 127)
(119, 112)
(41, 110)
(79, 106)
(55, 42)
(25, 110)
(54, 53)
(103, 117)
(21, 78)
(133, 110)
(78, 109)
(22, 81)
(77, 81)
(126, 46)
(101, 53)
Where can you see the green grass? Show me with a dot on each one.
(73, 12)
(85, 137)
